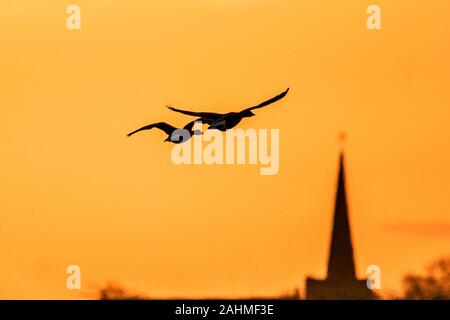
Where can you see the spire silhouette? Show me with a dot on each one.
(340, 262)
(341, 281)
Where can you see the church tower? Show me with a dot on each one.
(341, 281)
(340, 262)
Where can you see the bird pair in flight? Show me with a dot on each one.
(219, 121)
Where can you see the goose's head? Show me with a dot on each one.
(247, 113)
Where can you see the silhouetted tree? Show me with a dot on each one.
(114, 292)
(434, 285)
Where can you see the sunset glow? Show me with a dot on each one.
(75, 190)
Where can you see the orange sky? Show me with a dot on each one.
(75, 190)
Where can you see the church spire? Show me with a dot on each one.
(341, 265)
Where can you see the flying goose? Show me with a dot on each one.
(229, 120)
(175, 135)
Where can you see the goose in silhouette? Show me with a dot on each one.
(175, 135)
(229, 120)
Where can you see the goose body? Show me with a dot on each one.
(228, 120)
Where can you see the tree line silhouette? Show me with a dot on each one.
(433, 284)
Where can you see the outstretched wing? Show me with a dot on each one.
(207, 117)
(272, 100)
(167, 128)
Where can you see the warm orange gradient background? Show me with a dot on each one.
(75, 190)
